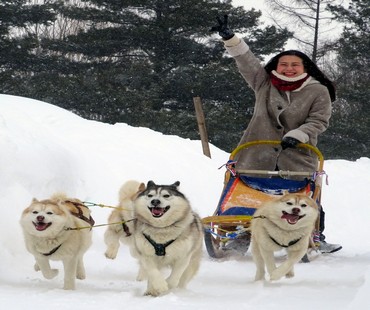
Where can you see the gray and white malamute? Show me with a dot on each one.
(165, 233)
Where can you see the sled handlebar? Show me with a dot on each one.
(275, 142)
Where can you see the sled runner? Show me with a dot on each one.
(226, 231)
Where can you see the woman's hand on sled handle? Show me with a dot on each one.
(223, 28)
(289, 142)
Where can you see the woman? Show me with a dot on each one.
(293, 105)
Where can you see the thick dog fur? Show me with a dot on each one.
(286, 222)
(166, 233)
(47, 236)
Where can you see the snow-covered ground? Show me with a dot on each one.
(44, 149)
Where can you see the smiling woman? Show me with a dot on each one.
(293, 105)
(290, 66)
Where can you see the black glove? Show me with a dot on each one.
(222, 28)
(289, 142)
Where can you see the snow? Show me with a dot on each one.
(45, 149)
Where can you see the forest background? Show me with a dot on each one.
(142, 62)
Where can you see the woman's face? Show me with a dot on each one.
(290, 66)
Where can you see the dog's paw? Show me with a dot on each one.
(157, 290)
(36, 267)
(290, 274)
(52, 273)
(260, 275)
(69, 286)
(81, 275)
(276, 275)
(259, 278)
(111, 253)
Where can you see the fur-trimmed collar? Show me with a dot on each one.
(285, 83)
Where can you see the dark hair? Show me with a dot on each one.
(310, 67)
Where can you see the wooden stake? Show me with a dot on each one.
(202, 126)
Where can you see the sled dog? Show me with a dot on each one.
(286, 222)
(123, 216)
(58, 229)
(166, 233)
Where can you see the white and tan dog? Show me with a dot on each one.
(52, 231)
(283, 223)
(120, 220)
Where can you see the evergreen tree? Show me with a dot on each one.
(352, 113)
(18, 44)
(142, 61)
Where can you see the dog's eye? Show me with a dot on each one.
(49, 213)
(34, 212)
(166, 196)
(303, 205)
(150, 195)
(289, 203)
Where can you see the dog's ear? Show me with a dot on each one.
(150, 184)
(310, 194)
(176, 184)
(34, 200)
(141, 188)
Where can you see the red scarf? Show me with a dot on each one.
(284, 83)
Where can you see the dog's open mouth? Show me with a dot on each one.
(158, 212)
(291, 218)
(40, 226)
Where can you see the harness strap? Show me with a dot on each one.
(80, 214)
(283, 245)
(126, 229)
(52, 251)
(160, 248)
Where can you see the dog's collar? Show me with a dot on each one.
(160, 248)
(52, 251)
(283, 245)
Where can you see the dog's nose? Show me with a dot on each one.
(296, 210)
(155, 202)
(40, 218)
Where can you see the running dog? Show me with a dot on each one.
(59, 229)
(286, 222)
(166, 233)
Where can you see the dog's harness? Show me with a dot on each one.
(283, 245)
(52, 251)
(293, 242)
(126, 229)
(80, 214)
(160, 248)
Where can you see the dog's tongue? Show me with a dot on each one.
(157, 211)
(291, 218)
(40, 226)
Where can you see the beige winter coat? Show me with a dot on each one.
(302, 114)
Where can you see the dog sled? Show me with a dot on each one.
(227, 230)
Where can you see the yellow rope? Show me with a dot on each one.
(100, 225)
(92, 204)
